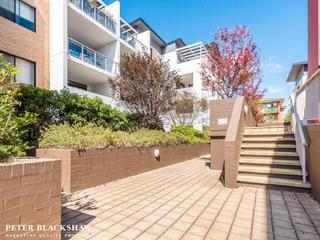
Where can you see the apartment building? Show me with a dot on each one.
(88, 39)
(306, 75)
(272, 109)
(24, 39)
(183, 58)
(298, 75)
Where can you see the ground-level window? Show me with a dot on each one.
(25, 69)
(77, 85)
(19, 12)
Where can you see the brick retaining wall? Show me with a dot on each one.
(94, 167)
(30, 195)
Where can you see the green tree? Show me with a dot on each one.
(12, 125)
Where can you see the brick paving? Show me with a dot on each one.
(187, 201)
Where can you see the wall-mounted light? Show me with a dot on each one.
(156, 153)
(245, 109)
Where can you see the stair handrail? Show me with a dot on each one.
(300, 138)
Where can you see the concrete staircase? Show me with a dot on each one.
(269, 157)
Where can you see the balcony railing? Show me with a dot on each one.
(133, 41)
(191, 52)
(92, 57)
(90, 10)
(271, 110)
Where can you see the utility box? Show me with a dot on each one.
(220, 114)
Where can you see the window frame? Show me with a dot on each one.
(34, 14)
(15, 62)
(16, 15)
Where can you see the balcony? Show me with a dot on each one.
(129, 36)
(271, 110)
(132, 41)
(98, 16)
(191, 52)
(90, 25)
(79, 51)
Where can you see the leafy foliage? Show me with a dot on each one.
(192, 134)
(146, 88)
(89, 136)
(53, 107)
(12, 124)
(232, 67)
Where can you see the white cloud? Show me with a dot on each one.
(276, 68)
(273, 66)
(274, 89)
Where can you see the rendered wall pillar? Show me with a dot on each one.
(220, 113)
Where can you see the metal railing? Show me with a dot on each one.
(90, 10)
(133, 41)
(301, 143)
(191, 52)
(86, 54)
(271, 110)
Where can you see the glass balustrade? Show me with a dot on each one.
(133, 41)
(90, 10)
(92, 57)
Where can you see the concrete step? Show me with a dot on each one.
(272, 181)
(268, 153)
(269, 139)
(269, 129)
(269, 126)
(269, 161)
(262, 134)
(268, 145)
(270, 170)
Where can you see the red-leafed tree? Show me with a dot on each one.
(232, 67)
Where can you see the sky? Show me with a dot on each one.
(279, 28)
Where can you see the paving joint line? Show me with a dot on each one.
(167, 181)
(237, 210)
(214, 220)
(254, 211)
(155, 200)
(293, 225)
(203, 210)
(189, 207)
(162, 206)
(307, 213)
(270, 207)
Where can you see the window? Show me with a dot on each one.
(25, 69)
(19, 12)
(7, 9)
(77, 85)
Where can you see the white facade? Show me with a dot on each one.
(87, 41)
(86, 44)
(299, 75)
(187, 61)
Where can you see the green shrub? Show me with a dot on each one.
(53, 107)
(80, 137)
(190, 133)
(76, 137)
(12, 124)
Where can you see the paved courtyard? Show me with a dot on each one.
(187, 201)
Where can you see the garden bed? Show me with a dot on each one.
(88, 168)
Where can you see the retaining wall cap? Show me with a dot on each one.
(29, 160)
